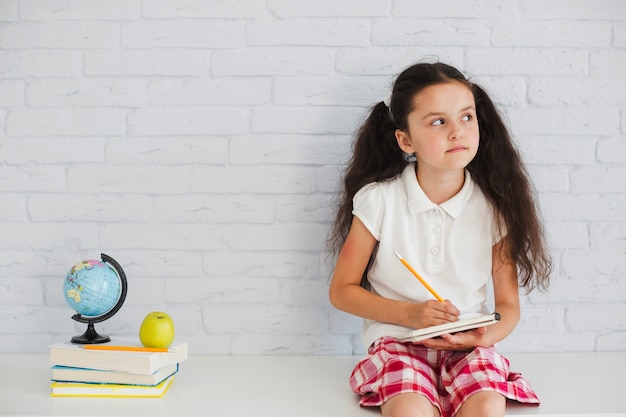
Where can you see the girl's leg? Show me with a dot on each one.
(483, 404)
(409, 405)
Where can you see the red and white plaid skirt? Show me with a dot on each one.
(446, 378)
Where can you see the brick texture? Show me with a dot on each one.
(200, 144)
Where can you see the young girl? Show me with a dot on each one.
(436, 177)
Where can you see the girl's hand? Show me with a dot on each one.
(461, 341)
(431, 313)
(506, 296)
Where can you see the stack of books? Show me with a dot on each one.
(114, 369)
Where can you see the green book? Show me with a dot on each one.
(71, 374)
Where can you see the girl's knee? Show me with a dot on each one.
(483, 404)
(409, 405)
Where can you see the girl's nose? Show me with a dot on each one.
(455, 132)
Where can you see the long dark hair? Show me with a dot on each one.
(497, 169)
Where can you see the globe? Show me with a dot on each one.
(95, 290)
(92, 288)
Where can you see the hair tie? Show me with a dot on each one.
(387, 101)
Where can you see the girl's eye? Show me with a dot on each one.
(437, 122)
(467, 117)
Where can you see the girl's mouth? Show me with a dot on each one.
(457, 149)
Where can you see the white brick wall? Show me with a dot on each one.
(199, 144)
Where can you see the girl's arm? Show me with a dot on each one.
(506, 294)
(347, 294)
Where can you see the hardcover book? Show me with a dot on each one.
(147, 363)
(70, 374)
(76, 389)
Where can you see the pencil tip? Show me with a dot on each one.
(398, 255)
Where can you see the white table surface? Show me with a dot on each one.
(572, 384)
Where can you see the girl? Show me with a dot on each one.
(436, 177)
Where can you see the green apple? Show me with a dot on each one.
(157, 330)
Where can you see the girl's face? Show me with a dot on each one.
(442, 127)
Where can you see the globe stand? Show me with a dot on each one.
(91, 336)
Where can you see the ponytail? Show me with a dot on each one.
(376, 156)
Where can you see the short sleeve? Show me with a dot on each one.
(368, 206)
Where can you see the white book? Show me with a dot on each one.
(76, 356)
(463, 324)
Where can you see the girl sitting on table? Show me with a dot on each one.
(436, 177)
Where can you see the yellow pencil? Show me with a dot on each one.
(124, 348)
(420, 279)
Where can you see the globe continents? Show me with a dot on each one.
(96, 291)
(92, 288)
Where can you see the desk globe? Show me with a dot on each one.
(96, 290)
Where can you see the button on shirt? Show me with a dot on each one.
(449, 244)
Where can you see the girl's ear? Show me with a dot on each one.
(404, 141)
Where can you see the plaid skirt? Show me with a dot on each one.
(446, 378)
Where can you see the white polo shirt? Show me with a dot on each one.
(449, 245)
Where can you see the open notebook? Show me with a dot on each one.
(466, 323)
